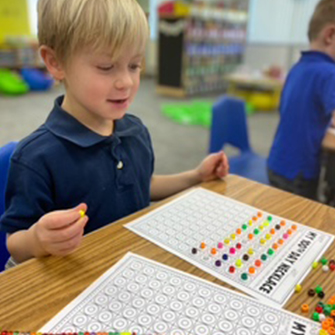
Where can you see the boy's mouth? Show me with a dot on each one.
(118, 101)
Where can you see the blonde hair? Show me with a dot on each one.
(324, 14)
(67, 26)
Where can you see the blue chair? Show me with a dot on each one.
(229, 126)
(5, 155)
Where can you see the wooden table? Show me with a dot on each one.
(328, 163)
(32, 293)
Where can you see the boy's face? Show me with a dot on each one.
(101, 88)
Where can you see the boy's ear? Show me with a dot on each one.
(53, 65)
(329, 34)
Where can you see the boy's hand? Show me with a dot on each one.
(213, 166)
(60, 232)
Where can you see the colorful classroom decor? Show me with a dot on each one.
(198, 47)
(14, 19)
(141, 296)
(262, 254)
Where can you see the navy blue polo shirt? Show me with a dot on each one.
(63, 163)
(307, 104)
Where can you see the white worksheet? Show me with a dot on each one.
(262, 254)
(141, 296)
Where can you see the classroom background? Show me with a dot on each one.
(198, 52)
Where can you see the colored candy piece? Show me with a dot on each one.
(225, 257)
(319, 309)
(232, 251)
(323, 332)
(239, 263)
(315, 265)
(82, 213)
(258, 263)
(227, 241)
(264, 257)
(239, 231)
(331, 331)
(278, 226)
(259, 214)
(316, 316)
(238, 245)
(244, 227)
(324, 261)
(283, 223)
(251, 251)
(325, 268)
(298, 288)
(318, 289)
(262, 241)
(294, 227)
(245, 257)
(252, 270)
(250, 236)
(203, 245)
(214, 251)
(305, 308)
(194, 251)
(220, 245)
(231, 269)
(321, 295)
(244, 276)
(233, 236)
(271, 252)
(311, 292)
(218, 263)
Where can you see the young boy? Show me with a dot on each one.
(306, 109)
(90, 163)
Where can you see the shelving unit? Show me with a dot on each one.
(197, 50)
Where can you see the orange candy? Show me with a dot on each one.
(255, 218)
(252, 270)
(281, 242)
(305, 308)
(213, 251)
(259, 214)
(283, 223)
(275, 246)
(272, 231)
(294, 227)
(258, 263)
(332, 314)
(331, 331)
(239, 231)
(289, 232)
(203, 245)
(250, 236)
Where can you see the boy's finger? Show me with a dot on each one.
(64, 218)
(69, 232)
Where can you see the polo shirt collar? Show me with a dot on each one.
(64, 125)
(316, 56)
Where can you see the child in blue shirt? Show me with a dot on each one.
(90, 163)
(306, 109)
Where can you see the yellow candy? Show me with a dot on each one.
(227, 241)
(239, 263)
(250, 222)
(315, 265)
(233, 236)
(82, 213)
(298, 288)
(266, 223)
(261, 227)
(323, 332)
(268, 237)
(263, 241)
(250, 251)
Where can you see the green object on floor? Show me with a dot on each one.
(194, 113)
(11, 83)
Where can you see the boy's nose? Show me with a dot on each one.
(123, 82)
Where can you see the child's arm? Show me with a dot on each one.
(212, 167)
(57, 233)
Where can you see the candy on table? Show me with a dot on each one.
(325, 268)
(321, 295)
(305, 308)
(318, 289)
(315, 265)
(323, 332)
(298, 288)
(311, 292)
(324, 261)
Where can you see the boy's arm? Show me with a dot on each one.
(212, 167)
(23, 245)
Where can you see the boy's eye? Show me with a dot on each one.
(135, 67)
(105, 68)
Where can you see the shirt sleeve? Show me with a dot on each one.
(28, 198)
(328, 94)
